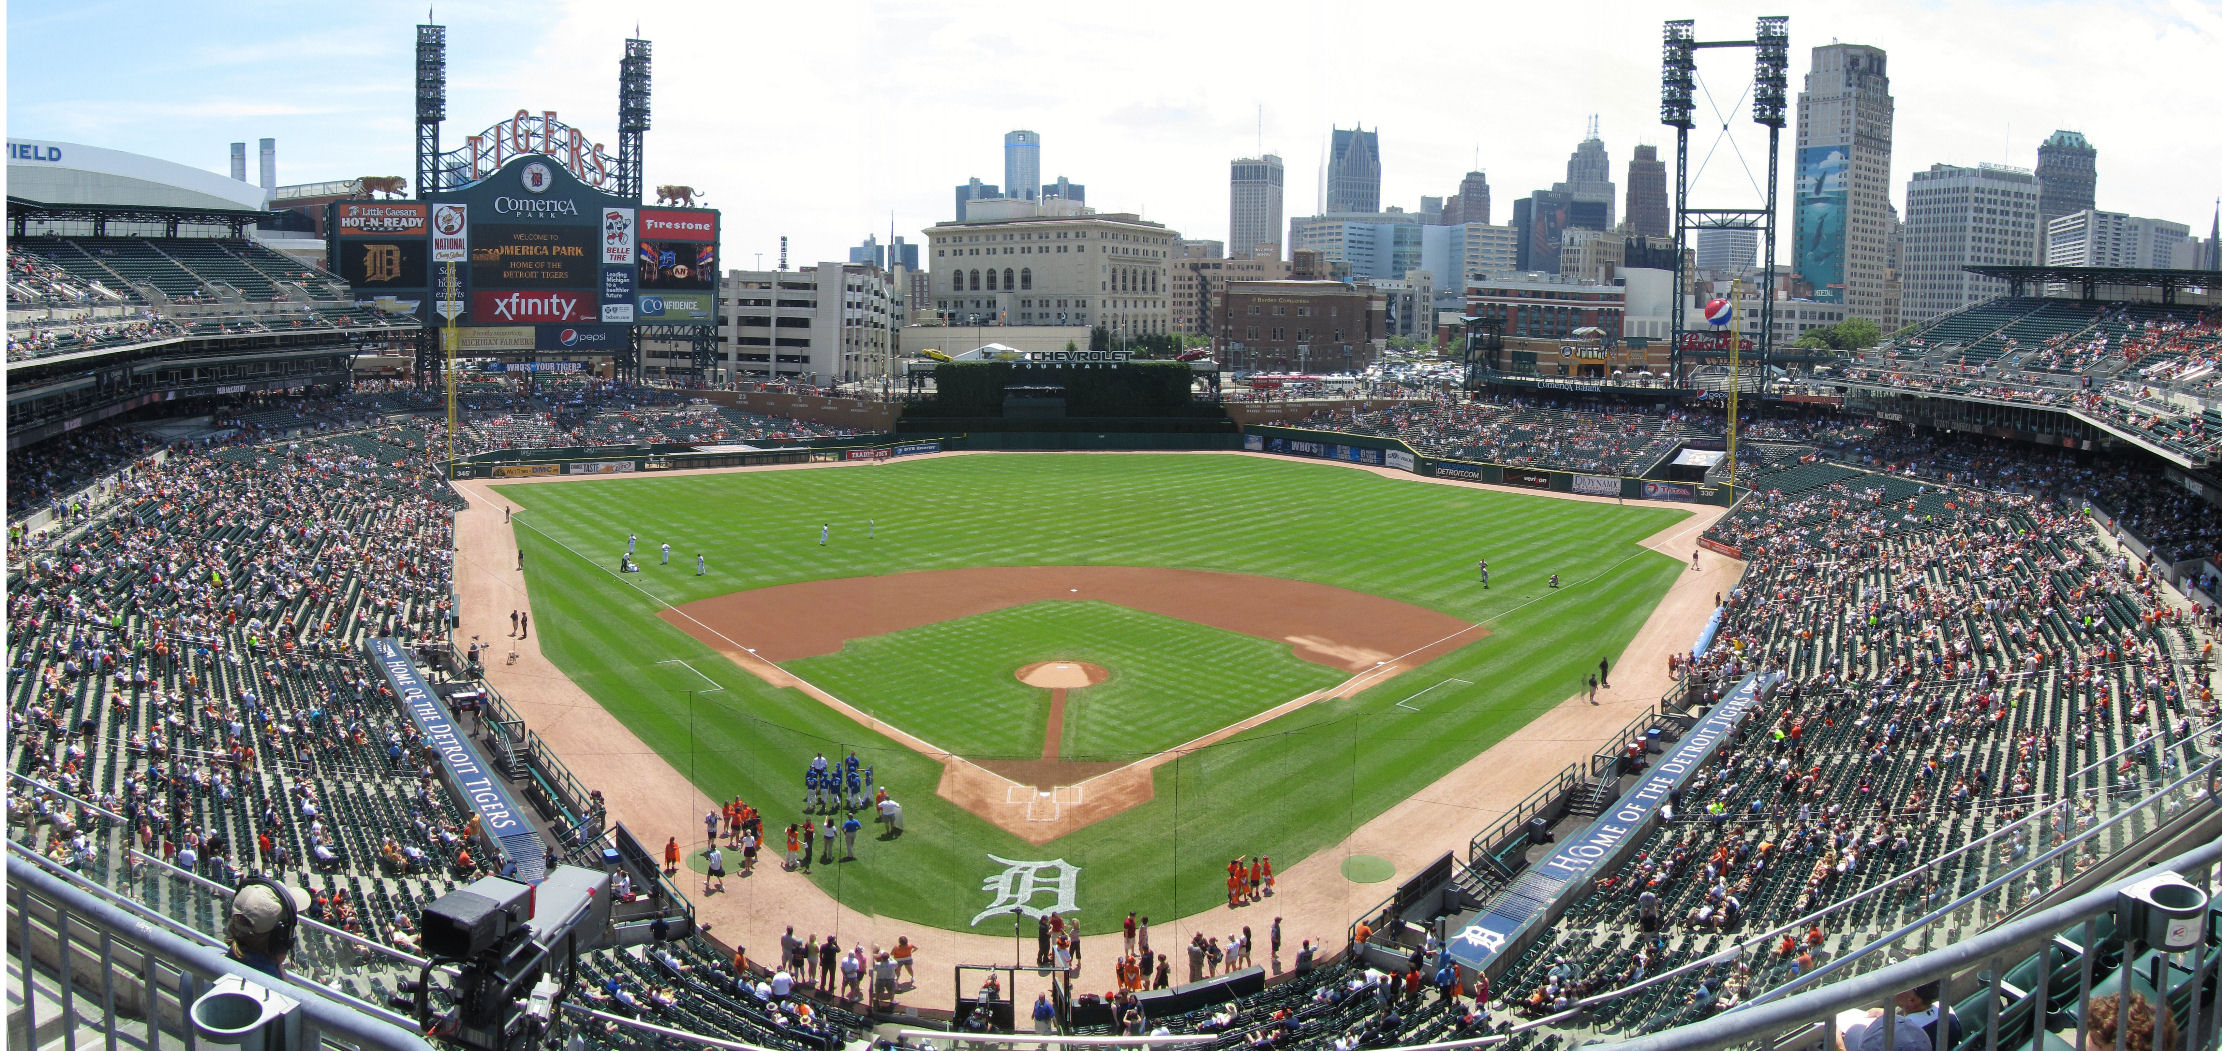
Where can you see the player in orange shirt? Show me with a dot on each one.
(1266, 865)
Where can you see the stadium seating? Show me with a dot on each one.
(1515, 434)
(1956, 655)
(204, 287)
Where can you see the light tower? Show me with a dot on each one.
(1770, 96)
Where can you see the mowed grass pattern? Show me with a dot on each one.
(954, 683)
(1287, 789)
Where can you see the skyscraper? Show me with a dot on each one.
(1723, 249)
(1022, 164)
(974, 190)
(1648, 211)
(1589, 175)
(2094, 238)
(2067, 175)
(1960, 217)
(1064, 190)
(1254, 205)
(1840, 225)
(1354, 171)
(1470, 204)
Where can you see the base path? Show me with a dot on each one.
(1371, 637)
(1315, 900)
(1328, 625)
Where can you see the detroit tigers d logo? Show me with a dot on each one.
(1022, 882)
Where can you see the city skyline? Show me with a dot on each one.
(925, 108)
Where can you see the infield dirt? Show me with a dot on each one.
(1373, 638)
(649, 793)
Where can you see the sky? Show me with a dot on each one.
(825, 122)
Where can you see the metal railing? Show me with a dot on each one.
(2004, 879)
(1987, 956)
(107, 965)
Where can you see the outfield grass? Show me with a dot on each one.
(1150, 702)
(1324, 770)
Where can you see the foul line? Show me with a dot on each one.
(714, 686)
(861, 717)
(1406, 706)
(1390, 665)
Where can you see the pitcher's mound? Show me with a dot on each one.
(1062, 675)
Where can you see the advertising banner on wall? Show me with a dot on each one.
(1400, 460)
(679, 224)
(503, 308)
(617, 236)
(451, 233)
(1531, 479)
(1597, 484)
(1668, 491)
(670, 307)
(383, 218)
(447, 284)
(580, 339)
(491, 339)
(1824, 182)
(617, 295)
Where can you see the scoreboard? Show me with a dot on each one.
(541, 261)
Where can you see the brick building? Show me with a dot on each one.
(1297, 326)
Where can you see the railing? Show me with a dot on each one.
(107, 964)
(1988, 955)
(2003, 867)
(1480, 847)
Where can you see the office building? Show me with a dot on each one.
(829, 323)
(1022, 164)
(2067, 175)
(2089, 237)
(1298, 326)
(1536, 306)
(1354, 171)
(1200, 270)
(1543, 218)
(1374, 244)
(1455, 255)
(1649, 212)
(1840, 216)
(886, 257)
(1589, 175)
(1959, 217)
(1470, 204)
(971, 191)
(1721, 250)
(1052, 263)
(1254, 205)
(1064, 190)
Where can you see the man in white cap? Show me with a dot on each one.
(264, 918)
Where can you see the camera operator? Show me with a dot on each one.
(265, 915)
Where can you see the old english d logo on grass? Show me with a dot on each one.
(1020, 882)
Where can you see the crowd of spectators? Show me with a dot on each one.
(1959, 646)
(1956, 659)
(33, 281)
(1515, 432)
(2145, 368)
(49, 336)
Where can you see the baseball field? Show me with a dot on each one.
(1140, 665)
